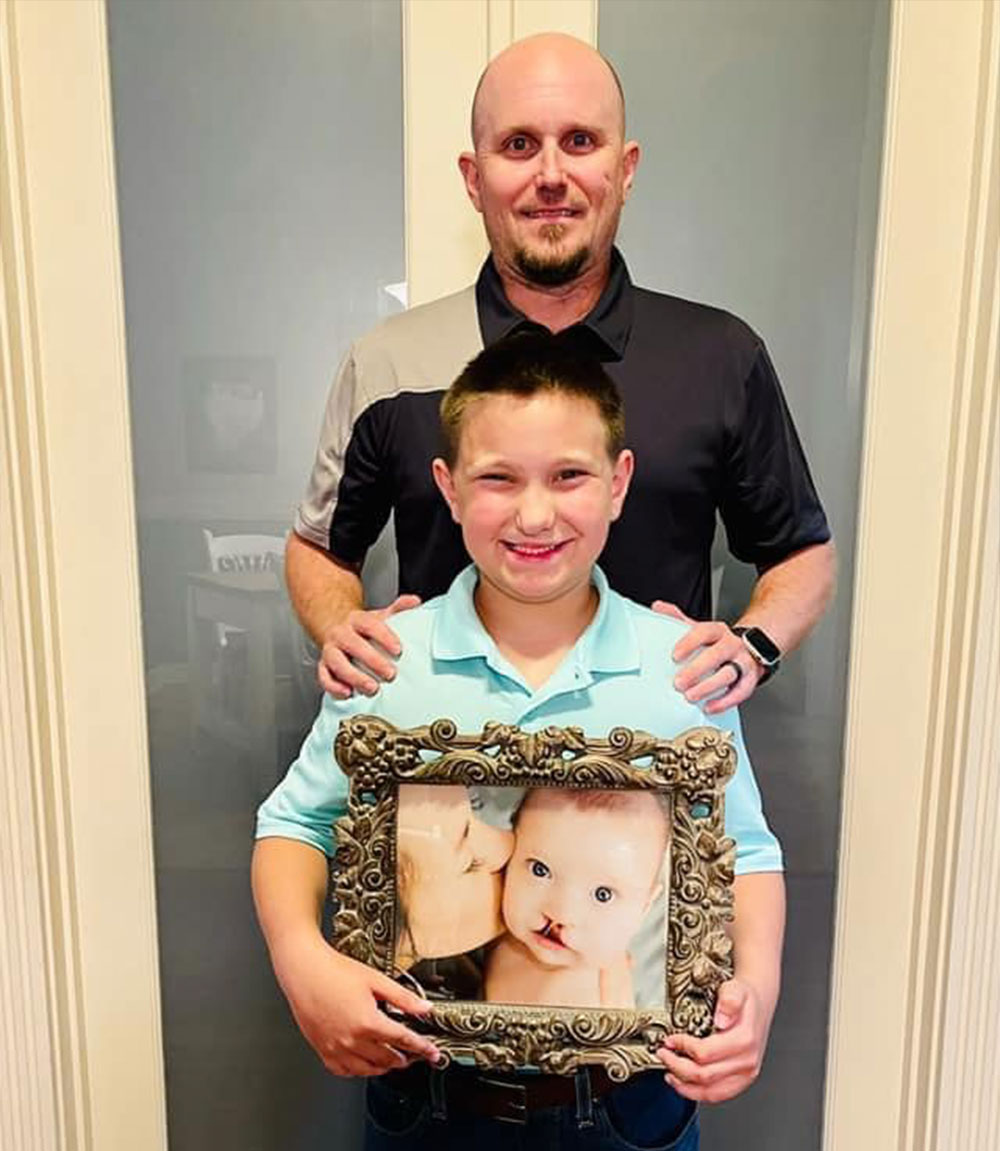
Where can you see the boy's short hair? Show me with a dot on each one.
(526, 364)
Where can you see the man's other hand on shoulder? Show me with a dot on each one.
(715, 662)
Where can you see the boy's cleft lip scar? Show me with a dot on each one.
(551, 932)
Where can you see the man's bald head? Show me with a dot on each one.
(548, 58)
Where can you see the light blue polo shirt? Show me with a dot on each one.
(618, 674)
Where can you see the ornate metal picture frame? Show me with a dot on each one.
(688, 771)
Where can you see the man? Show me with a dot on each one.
(549, 173)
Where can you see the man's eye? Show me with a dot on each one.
(539, 870)
(603, 894)
(518, 144)
(580, 140)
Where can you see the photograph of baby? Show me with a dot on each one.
(543, 896)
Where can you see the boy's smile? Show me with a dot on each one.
(535, 491)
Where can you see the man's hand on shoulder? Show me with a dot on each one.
(715, 660)
(360, 652)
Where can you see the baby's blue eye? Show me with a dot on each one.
(539, 870)
(604, 894)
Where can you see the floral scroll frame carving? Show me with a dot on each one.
(692, 769)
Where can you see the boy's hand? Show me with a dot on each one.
(711, 670)
(335, 999)
(726, 1063)
(362, 638)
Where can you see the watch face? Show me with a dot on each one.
(762, 645)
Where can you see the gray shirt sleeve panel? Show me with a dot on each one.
(315, 512)
(419, 350)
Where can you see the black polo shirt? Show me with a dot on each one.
(704, 414)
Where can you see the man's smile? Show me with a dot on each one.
(552, 213)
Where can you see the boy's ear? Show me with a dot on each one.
(621, 477)
(446, 486)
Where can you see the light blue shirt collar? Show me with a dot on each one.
(609, 643)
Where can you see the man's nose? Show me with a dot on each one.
(535, 511)
(550, 166)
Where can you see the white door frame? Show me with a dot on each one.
(80, 1040)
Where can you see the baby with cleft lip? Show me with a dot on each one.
(585, 869)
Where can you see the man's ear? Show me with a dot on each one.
(446, 486)
(630, 161)
(621, 477)
(469, 167)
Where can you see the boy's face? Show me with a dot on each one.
(580, 881)
(535, 492)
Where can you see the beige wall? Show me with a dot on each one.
(79, 1024)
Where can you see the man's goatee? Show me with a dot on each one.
(551, 271)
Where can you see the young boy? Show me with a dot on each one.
(585, 869)
(535, 472)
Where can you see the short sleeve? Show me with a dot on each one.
(757, 847)
(347, 500)
(769, 504)
(314, 513)
(314, 792)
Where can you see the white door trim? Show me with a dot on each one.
(81, 1027)
(922, 584)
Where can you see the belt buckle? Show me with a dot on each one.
(514, 1101)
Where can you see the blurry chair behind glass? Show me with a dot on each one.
(242, 553)
(252, 673)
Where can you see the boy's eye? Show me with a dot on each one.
(603, 894)
(494, 478)
(567, 475)
(538, 869)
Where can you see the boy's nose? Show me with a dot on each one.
(535, 512)
(561, 908)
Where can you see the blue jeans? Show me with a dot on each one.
(643, 1114)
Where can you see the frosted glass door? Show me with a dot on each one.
(761, 127)
(259, 150)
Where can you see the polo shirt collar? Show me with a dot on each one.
(609, 643)
(608, 324)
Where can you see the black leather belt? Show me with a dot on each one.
(509, 1098)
